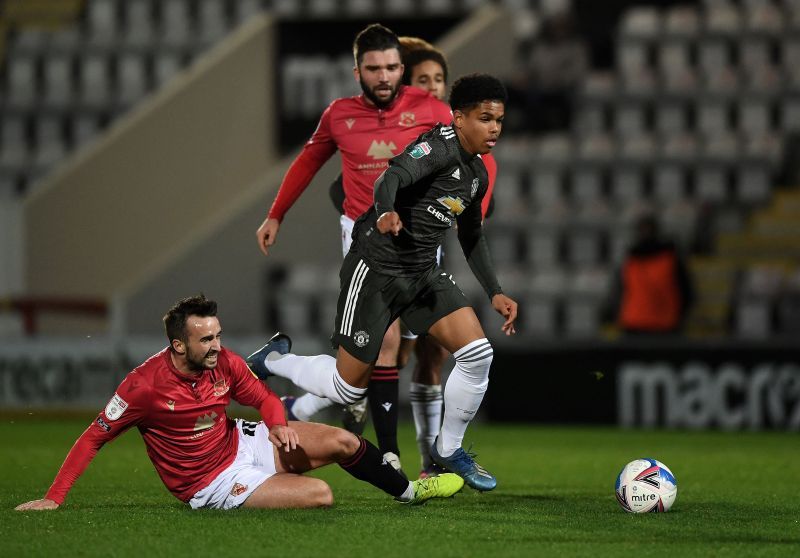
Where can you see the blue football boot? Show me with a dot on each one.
(463, 464)
(279, 343)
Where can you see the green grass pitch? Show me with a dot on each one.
(738, 495)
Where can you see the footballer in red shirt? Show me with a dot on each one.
(177, 399)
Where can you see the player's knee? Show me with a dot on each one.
(346, 444)
(475, 363)
(320, 495)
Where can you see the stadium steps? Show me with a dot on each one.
(771, 239)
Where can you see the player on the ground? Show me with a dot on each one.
(177, 400)
(367, 130)
(391, 271)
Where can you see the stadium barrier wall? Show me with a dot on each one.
(665, 385)
(679, 385)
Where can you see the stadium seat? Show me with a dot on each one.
(132, 79)
(13, 145)
(539, 317)
(681, 22)
(58, 81)
(50, 145)
(139, 23)
(21, 91)
(101, 20)
(211, 21)
(581, 318)
(669, 182)
(543, 247)
(166, 65)
(670, 117)
(95, 81)
(175, 29)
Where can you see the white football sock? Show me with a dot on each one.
(463, 393)
(426, 406)
(408, 495)
(308, 405)
(315, 374)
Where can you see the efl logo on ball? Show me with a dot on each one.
(646, 486)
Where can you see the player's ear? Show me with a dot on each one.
(356, 73)
(178, 346)
(458, 118)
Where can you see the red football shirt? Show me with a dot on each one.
(367, 137)
(189, 437)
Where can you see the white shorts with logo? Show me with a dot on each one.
(347, 239)
(254, 463)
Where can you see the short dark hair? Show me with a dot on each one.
(471, 90)
(416, 57)
(175, 318)
(374, 37)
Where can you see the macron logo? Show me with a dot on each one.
(386, 406)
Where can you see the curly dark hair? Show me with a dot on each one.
(414, 57)
(471, 90)
(175, 318)
(374, 37)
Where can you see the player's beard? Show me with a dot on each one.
(369, 94)
(198, 362)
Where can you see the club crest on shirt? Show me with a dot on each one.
(115, 407)
(408, 119)
(475, 183)
(420, 150)
(238, 489)
(221, 387)
(361, 338)
(454, 205)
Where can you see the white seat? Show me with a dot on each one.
(713, 116)
(754, 53)
(641, 23)
(21, 89)
(166, 65)
(723, 19)
(13, 144)
(548, 283)
(583, 247)
(543, 247)
(713, 53)
(58, 86)
(139, 23)
(101, 17)
(132, 78)
(286, 8)
(95, 81)
(50, 146)
(627, 184)
(84, 128)
(546, 184)
(711, 183)
(681, 21)
(540, 317)
(176, 24)
(503, 244)
(211, 20)
(669, 181)
(630, 119)
(394, 8)
(322, 8)
(753, 319)
(245, 9)
(587, 184)
(753, 183)
(755, 115)
(671, 118)
(581, 318)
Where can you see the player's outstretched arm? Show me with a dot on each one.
(36, 505)
(507, 308)
(267, 233)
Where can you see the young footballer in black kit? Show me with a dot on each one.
(391, 271)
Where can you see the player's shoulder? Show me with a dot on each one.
(346, 104)
(416, 98)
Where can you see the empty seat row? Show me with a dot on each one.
(92, 80)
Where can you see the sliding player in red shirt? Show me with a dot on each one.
(177, 400)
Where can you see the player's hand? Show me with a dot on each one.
(283, 437)
(43, 504)
(389, 222)
(508, 309)
(267, 233)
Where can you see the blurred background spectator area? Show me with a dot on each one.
(688, 110)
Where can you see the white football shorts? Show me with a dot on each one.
(254, 463)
